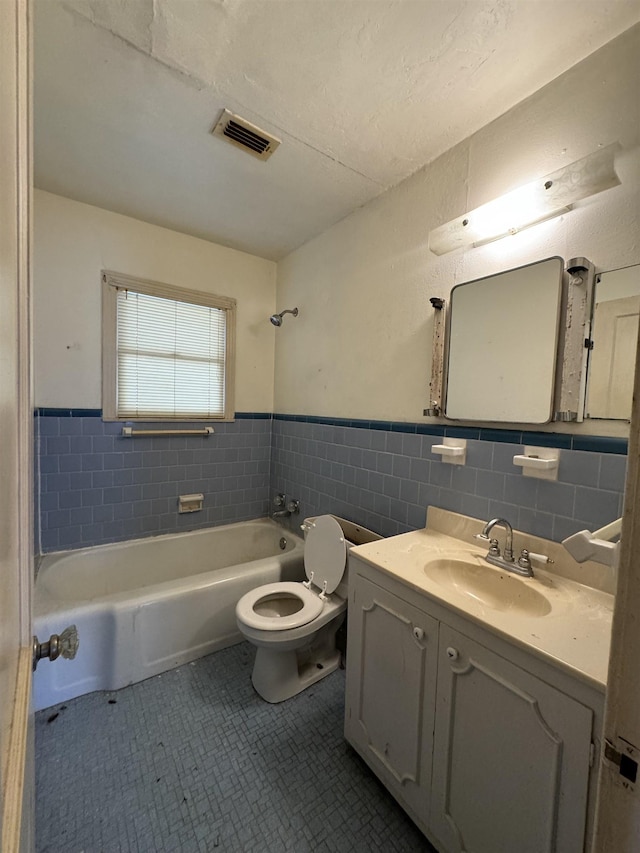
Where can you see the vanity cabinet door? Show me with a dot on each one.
(511, 756)
(390, 697)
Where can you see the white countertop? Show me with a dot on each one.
(574, 634)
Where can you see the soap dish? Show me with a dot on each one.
(452, 450)
(540, 462)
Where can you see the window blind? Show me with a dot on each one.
(170, 357)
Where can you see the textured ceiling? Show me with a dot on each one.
(361, 92)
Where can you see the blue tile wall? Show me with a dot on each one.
(97, 486)
(36, 484)
(384, 478)
(94, 486)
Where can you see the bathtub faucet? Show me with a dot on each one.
(289, 507)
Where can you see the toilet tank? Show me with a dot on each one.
(354, 533)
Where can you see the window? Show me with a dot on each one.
(167, 353)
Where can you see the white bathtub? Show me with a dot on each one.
(145, 606)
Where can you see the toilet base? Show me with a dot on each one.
(279, 675)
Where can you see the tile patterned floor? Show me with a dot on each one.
(194, 760)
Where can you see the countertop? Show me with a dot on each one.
(574, 635)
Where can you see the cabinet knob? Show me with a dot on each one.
(418, 633)
(452, 653)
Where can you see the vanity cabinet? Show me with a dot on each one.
(391, 688)
(511, 756)
(484, 755)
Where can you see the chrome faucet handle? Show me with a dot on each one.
(494, 548)
(494, 545)
(279, 499)
(523, 560)
(293, 506)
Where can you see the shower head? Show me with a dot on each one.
(276, 319)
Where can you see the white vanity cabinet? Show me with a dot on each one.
(484, 751)
(511, 756)
(391, 689)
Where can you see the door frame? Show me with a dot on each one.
(17, 767)
(618, 805)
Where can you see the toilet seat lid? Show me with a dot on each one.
(310, 609)
(325, 553)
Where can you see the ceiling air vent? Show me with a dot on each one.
(245, 135)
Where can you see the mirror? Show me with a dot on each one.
(502, 345)
(614, 332)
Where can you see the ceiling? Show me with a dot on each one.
(362, 93)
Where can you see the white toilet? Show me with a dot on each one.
(294, 625)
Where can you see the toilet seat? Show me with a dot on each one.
(311, 606)
(325, 557)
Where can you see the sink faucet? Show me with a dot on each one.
(508, 546)
(505, 561)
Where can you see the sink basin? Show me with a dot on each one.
(489, 587)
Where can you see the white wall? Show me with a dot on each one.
(74, 242)
(361, 346)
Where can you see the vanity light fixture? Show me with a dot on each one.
(530, 204)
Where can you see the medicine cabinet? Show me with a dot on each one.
(502, 345)
(547, 341)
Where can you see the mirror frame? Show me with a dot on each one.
(495, 321)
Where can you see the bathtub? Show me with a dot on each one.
(145, 606)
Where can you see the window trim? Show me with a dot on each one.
(114, 281)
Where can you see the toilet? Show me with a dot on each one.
(294, 625)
